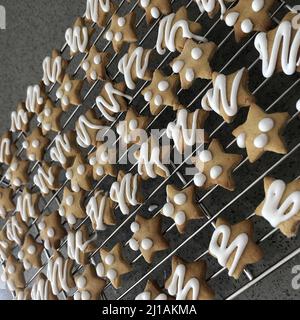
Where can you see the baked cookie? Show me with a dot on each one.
(7, 148)
(23, 294)
(28, 205)
(41, 289)
(281, 206)
(215, 167)
(13, 274)
(6, 202)
(152, 292)
(17, 172)
(35, 98)
(194, 62)
(233, 246)
(113, 265)
(6, 246)
(16, 229)
(181, 206)
(228, 95)
(99, 11)
(262, 132)
(49, 118)
(155, 8)
(20, 119)
(147, 237)
(212, 7)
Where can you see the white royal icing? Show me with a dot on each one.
(18, 119)
(77, 38)
(95, 210)
(62, 146)
(40, 290)
(94, 6)
(44, 179)
(33, 97)
(147, 296)
(209, 6)
(5, 146)
(14, 230)
(51, 69)
(25, 207)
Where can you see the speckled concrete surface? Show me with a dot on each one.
(34, 27)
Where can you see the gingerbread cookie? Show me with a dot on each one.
(41, 289)
(23, 294)
(16, 229)
(233, 246)
(113, 265)
(248, 16)
(229, 93)
(125, 191)
(20, 119)
(212, 7)
(69, 92)
(87, 128)
(59, 273)
(54, 68)
(122, 30)
(134, 65)
(152, 292)
(215, 167)
(187, 130)
(181, 206)
(279, 49)
(80, 245)
(49, 118)
(147, 237)
(151, 159)
(100, 210)
(155, 8)
(6, 202)
(47, 178)
(35, 145)
(89, 284)
(65, 149)
(95, 64)
(35, 98)
(28, 205)
(188, 281)
(71, 206)
(262, 132)
(194, 62)
(30, 253)
(162, 92)
(281, 206)
(7, 148)
(13, 274)
(80, 175)
(169, 37)
(99, 11)
(51, 230)
(78, 37)
(17, 172)
(6, 246)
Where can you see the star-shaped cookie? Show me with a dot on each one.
(7, 148)
(162, 92)
(71, 206)
(6, 202)
(262, 132)
(35, 145)
(35, 98)
(181, 206)
(17, 172)
(89, 284)
(49, 118)
(20, 119)
(41, 289)
(248, 16)
(281, 206)
(188, 275)
(228, 95)
(16, 229)
(155, 8)
(152, 292)
(194, 62)
(147, 237)
(212, 7)
(99, 11)
(13, 274)
(243, 250)
(122, 30)
(95, 64)
(28, 205)
(69, 92)
(113, 265)
(215, 167)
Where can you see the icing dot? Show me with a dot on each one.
(180, 218)
(59, 94)
(68, 86)
(231, 18)
(180, 199)
(199, 179)
(42, 225)
(65, 100)
(69, 174)
(93, 75)
(71, 219)
(77, 296)
(261, 141)
(155, 13)
(298, 105)
(21, 255)
(47, 112)
(31, 249)
(247, 26)
(85, 65)
(14, 166)
(97, 59)
(121, 22)
(27, 264)
(11, 269)
(189, 75)
(69, 200)
(109, 35)
(147, 244)
(3, 277)
(81, 282)
(31, 157)
(93, 161)
(75, 187)
(215, 172)
(257, 5)
(25, 144)
(177, 66)
(196, 53)
(168, 209)
(134, 245)
(111, 274)
(134, 227)
(145, 3)
(104, 156)
(100, 270)
(158, 100)
(118, 36)
(266, 125)
(35, 143)
(47, 126)
(100, 171)
(148, 96)
(241, 140)
(61, 211)
(85, 295)
(109, 259)
(50, 232)
(163, 86)
(205, 156)
(81, 169)
(17, 182)
(133, 124)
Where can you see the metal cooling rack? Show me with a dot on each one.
(193, 244)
